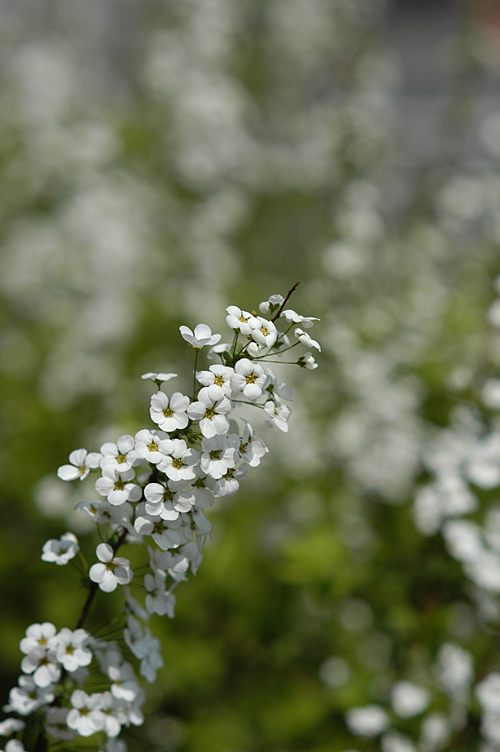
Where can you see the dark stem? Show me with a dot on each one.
(95, 587)
(280, 309)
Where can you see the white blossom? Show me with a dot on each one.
(370, 720)
(147, 444)
(160, 377)
(81, 464)
(306, 339)
(71, 648)
(239, 320)
(112, 571)
(263, 332)
(86, 715)
(250, 378)
(178, 460)
(37, 636)
(28, 696)
(10, 726)
(211, 410)
(217, 376)
(60, 551)
(169, 414)
(121, 456)
(201, 336)
(409, 699)
(296, 318)
(277, 415)
(115, 486)
(217, 456)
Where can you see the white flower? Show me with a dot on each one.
(296, 318)
(178, 460)
(201, 336)
(435, 731)
(37, 636)
(158, 601)
(158, 377)
(463, 539)
(121, 456)
(211, 411)
(81, 464)
(112, 711)
(165, 536)
(251, 449)
(228, 485)
(277, 415)
(409, 699)
(147, 444)
(160, 501)
(152, 661)
(44, 666)
(394, 742)
(60, 551)
(203, 496)
(114, 485)
(238, 320)
(112, 571)
(263, 331)
(307, 361)
(28, 696)
(306, 340)
(135, 637)
(124, 686)
(104, 512)
(217, 456)
(455, 668)
(272, 304)
(488, 692)
(14, 745)
(217, 376)
(169, 415)
(71, 648)
(250, 378)
(370, 720)
(10, 726)
(86, 715)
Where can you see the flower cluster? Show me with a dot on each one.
(154, 487)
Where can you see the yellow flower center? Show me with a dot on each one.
(210, 413)
(251, 378)
(121, 458)
(168, 412)
(153, 447)
(119, 485)
(219, 381)
(177, 463)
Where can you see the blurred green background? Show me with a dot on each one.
(161, 160)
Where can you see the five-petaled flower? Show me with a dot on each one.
(112, 571)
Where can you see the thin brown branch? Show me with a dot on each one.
(280, 309)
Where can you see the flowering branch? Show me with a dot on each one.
(156, 486)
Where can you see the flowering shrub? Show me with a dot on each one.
(154, 487)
